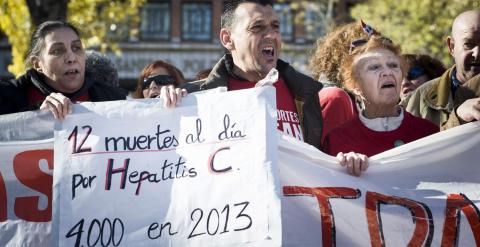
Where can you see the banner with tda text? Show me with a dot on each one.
(136, 174)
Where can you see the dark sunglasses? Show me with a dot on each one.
(160, 80)
(414, 73)
(359, 42)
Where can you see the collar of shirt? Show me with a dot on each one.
(383, 124)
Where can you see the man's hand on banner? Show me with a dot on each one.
(58, 104)
(171, 96)
(469, 110)
(356, 163)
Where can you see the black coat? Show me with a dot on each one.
(13, 93)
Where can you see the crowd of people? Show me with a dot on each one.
(364, 96)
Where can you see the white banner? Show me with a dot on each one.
(26, 170)
(420, 194)
(425, 193)
(170, 176)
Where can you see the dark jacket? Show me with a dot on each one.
(303, 87)
(13, 93)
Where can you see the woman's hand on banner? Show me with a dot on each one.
(356, 163)
(172, 96)
(58, 104)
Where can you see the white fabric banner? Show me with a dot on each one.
(169, 177)
(26, 170)
(423, 193)
(420, 194)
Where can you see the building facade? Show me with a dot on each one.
(186, 34)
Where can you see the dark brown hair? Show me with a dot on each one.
(37, 41)
(228, 16)
(433, 67)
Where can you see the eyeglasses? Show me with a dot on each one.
(160, 80)
(359, 42)
(414, 73)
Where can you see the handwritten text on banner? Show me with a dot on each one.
(114, 175)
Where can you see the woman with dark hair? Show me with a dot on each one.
(422, 68)
(56, 75)
(155, 75)
(374, 72)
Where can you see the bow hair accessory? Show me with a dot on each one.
(368, 29)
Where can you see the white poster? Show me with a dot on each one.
(136, 174)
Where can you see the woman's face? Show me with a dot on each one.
(153, 90)
(379, 77)
(62, 60)
(408, 86)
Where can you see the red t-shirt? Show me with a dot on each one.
(287, 116)
(337, 108)
(34, 96)
(356, 137)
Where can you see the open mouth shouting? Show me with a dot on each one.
(268, 53)
(72, 73)
(154, 95)
(387, 85)
(475, 66)
(406, 90)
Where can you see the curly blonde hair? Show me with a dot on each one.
(349, 71)
(331, 51)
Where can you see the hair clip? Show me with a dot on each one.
(356, 43)
(368, 29)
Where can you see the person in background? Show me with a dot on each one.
(337, 103)
(155, 75)
(101, 67)
(203, 74)
(56, 75)
(422, 68)
(374, 71)
(443, 100)
(250, 33)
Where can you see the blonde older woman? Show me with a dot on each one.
(374, 72)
